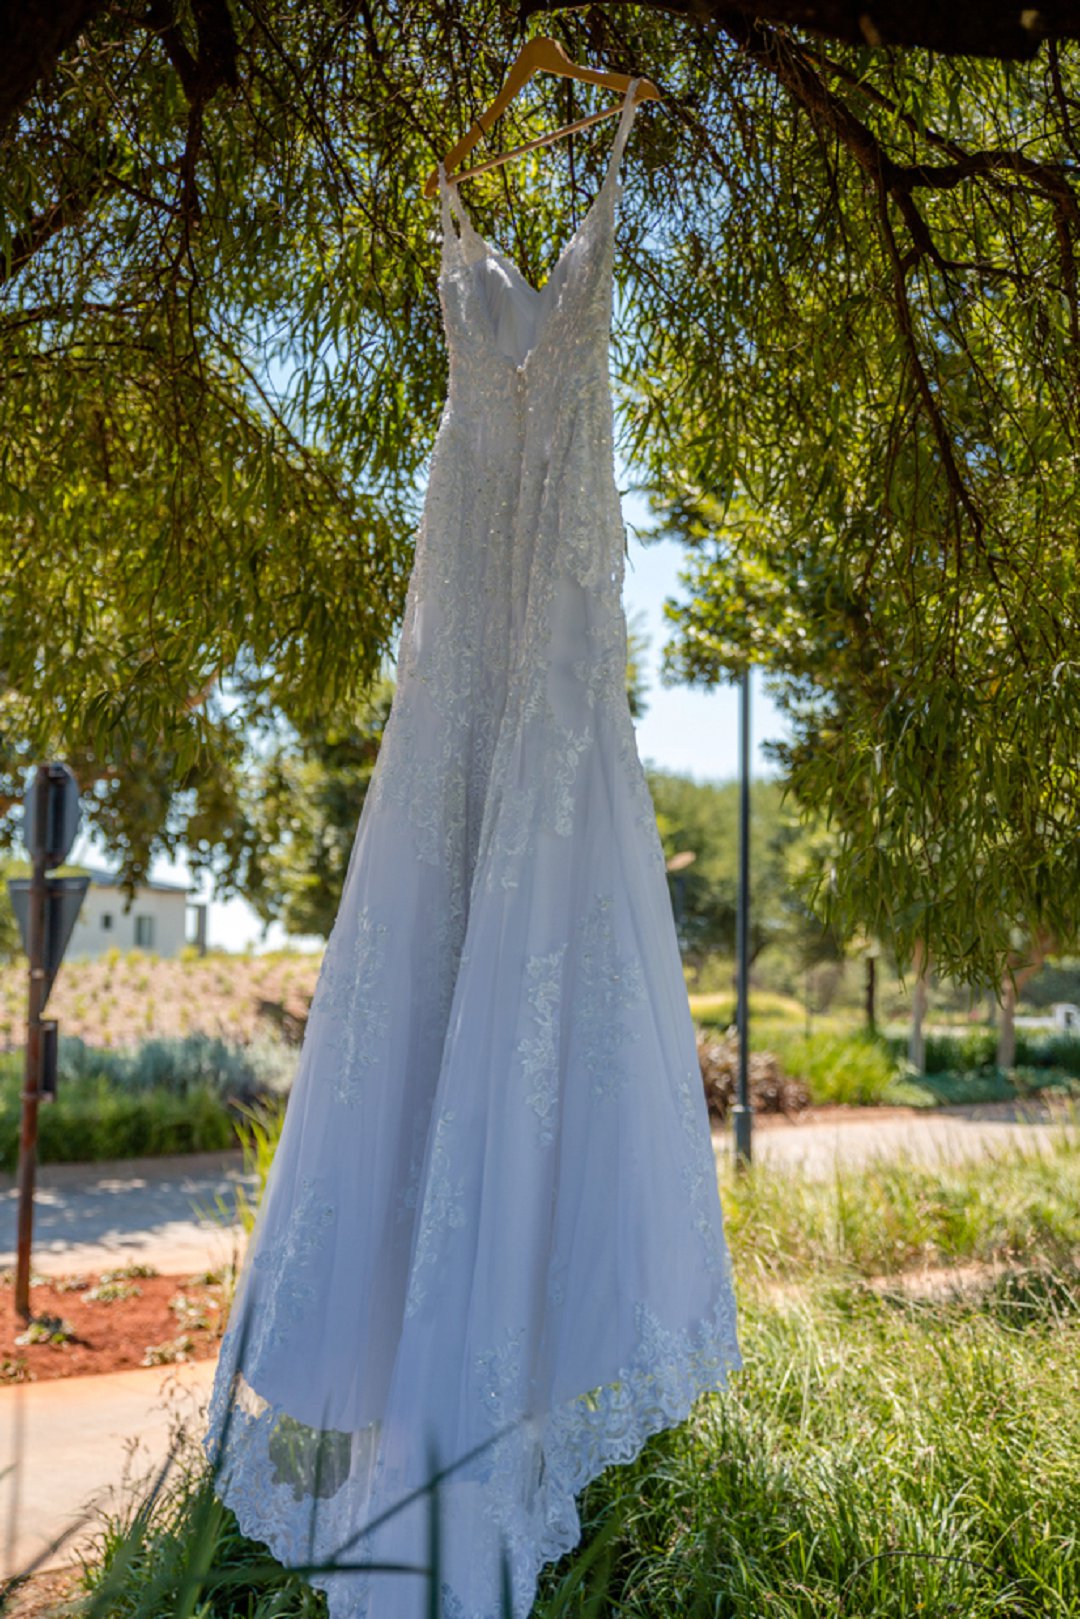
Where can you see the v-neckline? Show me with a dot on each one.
(451, 202)
(492, 250)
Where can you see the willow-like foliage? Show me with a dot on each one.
(847, 364)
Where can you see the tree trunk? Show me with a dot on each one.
(871, 994)
(917, 1037)
(34, 37)
(1006, 1046)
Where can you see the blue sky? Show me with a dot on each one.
(693, 732)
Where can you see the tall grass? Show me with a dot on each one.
(884, 1218)
(871, 1460)
(886, 1451)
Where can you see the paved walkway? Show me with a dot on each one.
(72, 1447)
(71, 1440)
(848, 1138)
(175, 1213)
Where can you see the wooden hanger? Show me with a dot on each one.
(537, 55)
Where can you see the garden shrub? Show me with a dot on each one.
(91, 1119)
(242, 1073)
(1048, 1051)
(966, 1050)
(842, 1068)
(771, 1090)
(167, 1096)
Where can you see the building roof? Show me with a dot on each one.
(111, 879)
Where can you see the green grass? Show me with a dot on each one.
(718, 1010)
(873, 1459)
(884, 1452)
(1013, 1205)
(950, 1088)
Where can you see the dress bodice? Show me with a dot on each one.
(499, 326)
(514, 614)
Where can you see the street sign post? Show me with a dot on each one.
(46, 908)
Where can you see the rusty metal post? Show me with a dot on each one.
(32, 1070)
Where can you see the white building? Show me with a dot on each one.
(156, 921)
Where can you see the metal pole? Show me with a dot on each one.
(742, 1111)
(32, 1068)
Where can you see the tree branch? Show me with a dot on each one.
(999, 28)
(34, 38)
(67, 210)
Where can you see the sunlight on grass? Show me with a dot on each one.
(899, 1213)
(888, 1449)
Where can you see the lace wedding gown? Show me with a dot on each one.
(491, 1240)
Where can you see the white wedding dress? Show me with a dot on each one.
(491, 1240)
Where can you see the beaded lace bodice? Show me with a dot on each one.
(491, 1236)
(522, 515)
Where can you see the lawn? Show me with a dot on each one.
(904, 1437)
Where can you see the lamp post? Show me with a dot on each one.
(742, 1112)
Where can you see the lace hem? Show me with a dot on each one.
(538, 1466)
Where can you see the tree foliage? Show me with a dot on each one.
(847, 357)
(303, 808)
(702, 818)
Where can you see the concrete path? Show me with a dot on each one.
(72, 1447)
(848, 1138)
(175, 1213)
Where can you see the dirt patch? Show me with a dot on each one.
(55, 1592)
(933, 1285)
(956, 1283)
(120, 1000)
(109, 1321)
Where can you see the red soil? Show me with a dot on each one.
(110, 1335)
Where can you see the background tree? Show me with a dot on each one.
(304, 805)
(703, 817)
(952, 802)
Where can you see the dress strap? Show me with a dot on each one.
(626, 118)
(466, 235)
(451, 208)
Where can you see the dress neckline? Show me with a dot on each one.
(453, 207)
